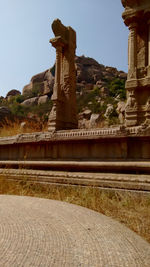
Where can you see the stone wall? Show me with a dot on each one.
(90, 145)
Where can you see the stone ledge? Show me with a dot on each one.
(132, 182)
(115, 132)
(96, 166)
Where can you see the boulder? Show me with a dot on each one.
(42, 99)
(109, 110)
(23, 125)
(48, 84)
(27, 89)
(83, 124)
(44, 81)
(88, 69)
(86, 114)
(30, 101)
(95, 118)
(122, 75)
(13, 92)
(121, 111)
(40, 77)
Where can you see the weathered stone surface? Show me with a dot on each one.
(27, 170)
(83, 123)
(27, 89)
(40, 77)
(86, 114)
(137, 17)
(42, 99)
(64, 114)
(40, 232)
(45, 82)
(95, 118)
(88, 69)
(121, 111)
(30, 101)
(109, 110)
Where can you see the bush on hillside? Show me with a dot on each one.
(117, 87)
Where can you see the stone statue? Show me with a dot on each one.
(131, 101)
(64, 115)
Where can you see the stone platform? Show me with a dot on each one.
(105, 157)
(39, 232)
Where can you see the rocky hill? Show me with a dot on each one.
(100, 95)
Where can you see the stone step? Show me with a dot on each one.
(102, 180)
(86, 166)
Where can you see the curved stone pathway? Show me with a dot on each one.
(40, 232)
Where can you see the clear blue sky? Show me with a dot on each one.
(25, 27)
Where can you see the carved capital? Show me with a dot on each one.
(58, 42)
(133, 26)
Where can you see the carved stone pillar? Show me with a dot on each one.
(63, 115)
(56, 89)
(132, 50)
(136, 17)
(148, 72)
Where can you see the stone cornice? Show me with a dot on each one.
(135, 10)
(69, 135)
(133, 83)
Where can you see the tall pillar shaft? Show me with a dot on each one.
(132, 50)
(149, 43)
(57, 73)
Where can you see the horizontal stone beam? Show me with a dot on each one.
(107, 181)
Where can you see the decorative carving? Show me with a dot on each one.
(130, 3)
(137, 17)
(131, 101)
(63, 115)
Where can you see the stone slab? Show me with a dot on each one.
(39, 232)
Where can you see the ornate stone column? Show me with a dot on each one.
(148, 72)
(55, 115)
(136, 17)
(56, 89)
(132, 50)
(63, 115)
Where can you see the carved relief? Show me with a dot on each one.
(131, 101)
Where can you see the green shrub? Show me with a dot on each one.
(36, 89)
(19, 98)
(117, 87)
(42, 109)
(83, 101)
(18, 110)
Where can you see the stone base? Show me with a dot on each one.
(103, 180)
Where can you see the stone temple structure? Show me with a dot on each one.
(137, 17)
(63, 115)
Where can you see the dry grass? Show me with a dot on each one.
(10, 128)
(131, 209)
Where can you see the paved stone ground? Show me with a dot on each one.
(39, 232)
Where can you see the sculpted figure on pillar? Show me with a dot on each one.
(137, 17)
(64, 115)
